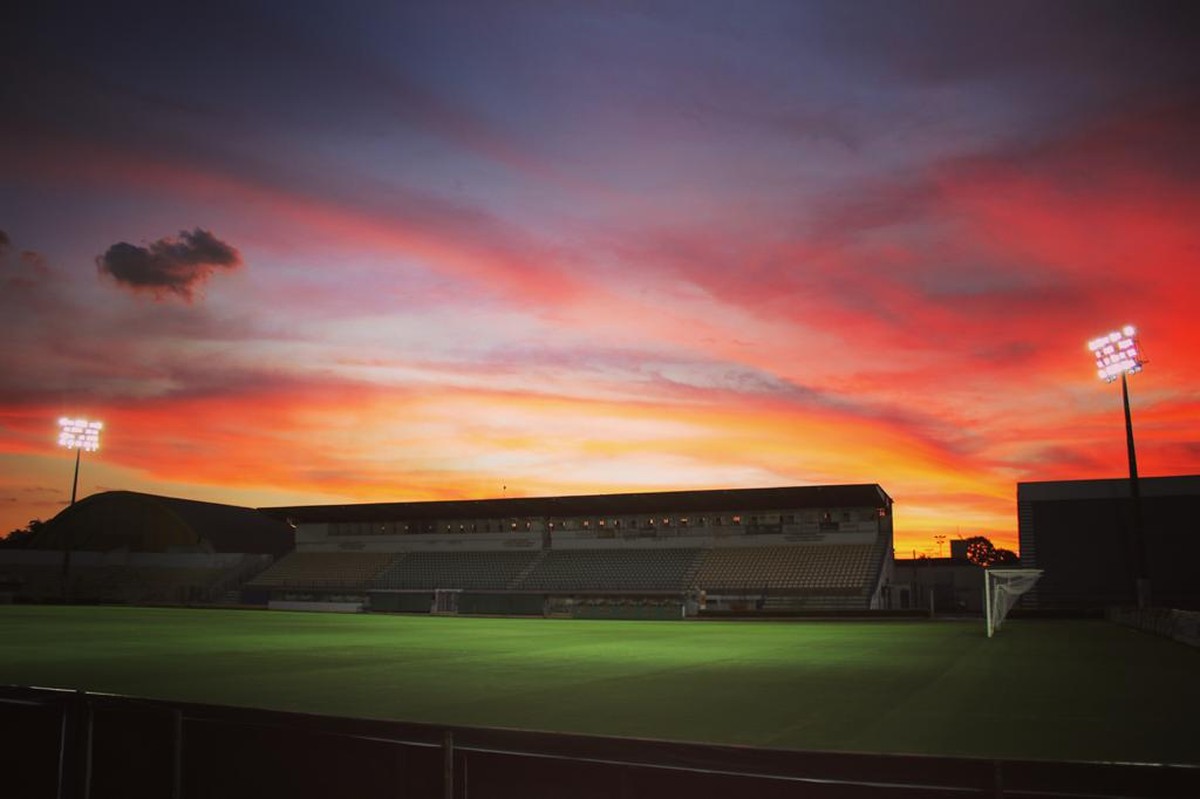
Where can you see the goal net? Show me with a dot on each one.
(445, 601)
(1001, 590)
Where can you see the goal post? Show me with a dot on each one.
(445, 601)
(1001, 590)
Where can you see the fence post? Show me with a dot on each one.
(66, 748)
(177, 754)
(89, 719)
(76, 760)
(448, 765)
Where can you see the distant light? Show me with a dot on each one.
(79, 434)
(1117, 353)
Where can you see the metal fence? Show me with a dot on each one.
(76, 745)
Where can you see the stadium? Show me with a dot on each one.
(520, 400)
(656, 555)
(713, 643)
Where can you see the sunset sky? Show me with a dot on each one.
(294, 253)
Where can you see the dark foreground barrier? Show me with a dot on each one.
(71, 745)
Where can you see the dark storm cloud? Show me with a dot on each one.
(175, 265)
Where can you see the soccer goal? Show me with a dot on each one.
(1001, 589)
(445, 601)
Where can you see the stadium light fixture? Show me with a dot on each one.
(79, 435)
(1119, 354)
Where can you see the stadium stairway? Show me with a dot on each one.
(533, 564)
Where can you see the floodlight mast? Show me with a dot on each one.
(79, 435)
(1120, 354)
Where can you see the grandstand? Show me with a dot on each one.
(338, 571)
(651, 570)
(127, 547)
(464, 570)
(626, 555)
(796, 548)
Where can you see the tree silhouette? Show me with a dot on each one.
(20, 538)
(980, 551)
(1006, 557)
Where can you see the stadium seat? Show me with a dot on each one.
(324, 570)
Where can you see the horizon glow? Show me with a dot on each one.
(403, 252)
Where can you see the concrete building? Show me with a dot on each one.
(1081, 533)
(940, 585)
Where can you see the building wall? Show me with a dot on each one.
(1082, 535)
(955, 586)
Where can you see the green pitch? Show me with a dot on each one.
(1039, 689)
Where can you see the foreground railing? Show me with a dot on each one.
(75, 745)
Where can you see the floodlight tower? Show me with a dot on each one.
(79, 435)
(1118, 354)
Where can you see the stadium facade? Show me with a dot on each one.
(1082, 534)
(658, 554)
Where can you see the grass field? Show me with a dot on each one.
(1040, 689)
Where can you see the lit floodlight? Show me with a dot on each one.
(1117, 353)
(79, 434)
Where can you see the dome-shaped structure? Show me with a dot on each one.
(137, 522)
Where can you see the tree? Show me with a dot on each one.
(980, 551)
(21, 537)
(1006, 557)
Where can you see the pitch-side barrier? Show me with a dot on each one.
(72, 745)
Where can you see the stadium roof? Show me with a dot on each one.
(869, 495)
(150, 523)
(1108, 488)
